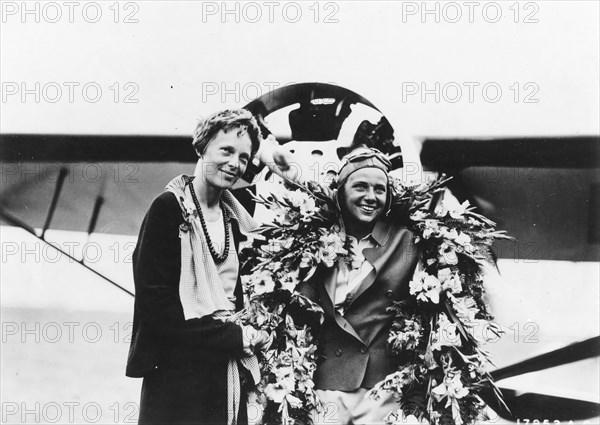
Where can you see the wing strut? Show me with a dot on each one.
(569, 354)
(9, 218)
(96, 211)
(532, 403)
(62, 174)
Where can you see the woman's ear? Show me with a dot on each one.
(390, 195)
(336, 197)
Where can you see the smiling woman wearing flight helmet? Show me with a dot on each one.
(356, 297)
(195, 365)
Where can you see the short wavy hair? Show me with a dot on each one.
(226, 120)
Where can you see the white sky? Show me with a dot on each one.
(369, 50)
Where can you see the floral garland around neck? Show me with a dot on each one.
(437, 333)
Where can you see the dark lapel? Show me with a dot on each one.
(381, 234)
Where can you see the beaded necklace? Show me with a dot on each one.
(217, 258)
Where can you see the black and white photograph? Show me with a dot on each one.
(300, 212)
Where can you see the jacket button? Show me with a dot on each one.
(363, 350)
(338, 352)
(389, 294)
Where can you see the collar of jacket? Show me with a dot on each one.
(381, 231)
(381, 235)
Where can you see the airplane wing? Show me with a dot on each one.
(545, 193)
(87, 183)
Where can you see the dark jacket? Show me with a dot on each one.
(183, 362)
(354, 346)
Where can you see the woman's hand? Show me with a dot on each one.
(278, 159)
(283, 158)
(255, 340)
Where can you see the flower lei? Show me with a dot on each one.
(304, 234)
(437, 333)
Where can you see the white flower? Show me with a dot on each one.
(272, 247)
(307, 259)
(393, 382)
(452, 389)
(275, 393)
(465, 308)
(463, 239)
(303, 201)
(280, 213)
(447, 254)
(276, 245)
(450, 205)
(309, 208)
(446, 334)
(262, 282)
(418, 215)
(297, 197)
(246, 283)
(450, 281)
(444, 274)
(290, 280)
(284, 385)
(408, 338)
(431, 228)
(331, 246)
(426, 287)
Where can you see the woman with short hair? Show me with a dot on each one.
(195, 363)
